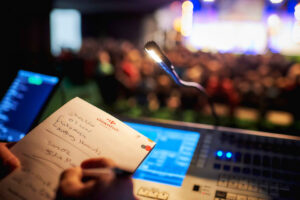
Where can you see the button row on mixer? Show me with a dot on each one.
(260, 143)
(258, 172)
(152, 193)
(265, 187)
(221, 195)
(266, 161)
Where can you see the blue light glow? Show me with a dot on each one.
(228, 155)
(23, 102)
(219, 153)
(170, 159)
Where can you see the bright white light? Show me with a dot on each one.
(208, 0)
(297, 12)
(276, 1)
(65, 30)
(187, 6)
(154, 55)
(296, 33)
(224, 36)
(187, 18)
(274, 20)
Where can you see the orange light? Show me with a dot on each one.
(177, 24)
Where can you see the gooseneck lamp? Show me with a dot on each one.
(159, 57)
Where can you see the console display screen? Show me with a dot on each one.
(23, 102)
(169, 161)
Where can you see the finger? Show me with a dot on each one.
(71, 173)
(71, 184)
(7, 159)
(98, 162)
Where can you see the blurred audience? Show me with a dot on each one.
(122, 70)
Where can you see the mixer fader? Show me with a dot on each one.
(194, 161)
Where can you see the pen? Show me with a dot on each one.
(95, 172)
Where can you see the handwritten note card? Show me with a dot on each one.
(75, 132)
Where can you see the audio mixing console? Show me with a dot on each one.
(194, 161)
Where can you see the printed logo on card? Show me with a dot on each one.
(108, 123)
(111, 121)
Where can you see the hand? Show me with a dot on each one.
(8, 161)
(105, 187)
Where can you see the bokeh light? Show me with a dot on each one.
(297, 12)
(276, 1)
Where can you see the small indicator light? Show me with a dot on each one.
(219, 153)
(228, 155)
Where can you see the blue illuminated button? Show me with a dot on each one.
(220, 153)
(228, 155)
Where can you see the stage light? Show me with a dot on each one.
(297, 12)
(177, 24)
(187, 6)
(296, 33)
(208, 0)
(238, 37)
(276, 1)
(187, 18)
(274, 20)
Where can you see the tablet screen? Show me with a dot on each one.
(23, 102)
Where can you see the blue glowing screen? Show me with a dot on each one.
(170, 159)
(22, 103)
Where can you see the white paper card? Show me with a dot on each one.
(75, 132)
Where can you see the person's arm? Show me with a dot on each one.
(106, 187)
(8, 161)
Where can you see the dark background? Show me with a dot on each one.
(25, 25)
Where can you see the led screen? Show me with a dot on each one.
(169, 161)
(22, 103)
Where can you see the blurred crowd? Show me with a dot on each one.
(123, 71)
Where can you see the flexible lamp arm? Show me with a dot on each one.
(156, 54)
(197, 86)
